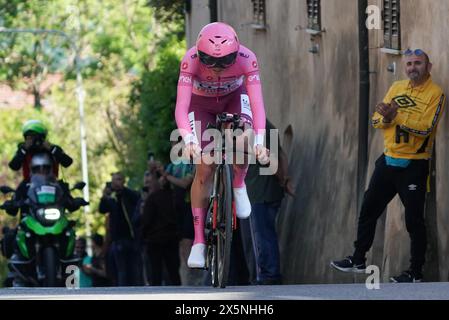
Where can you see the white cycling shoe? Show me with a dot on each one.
(242, 204)
(197, 257)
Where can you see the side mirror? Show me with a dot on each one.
(79, 185)
(6, 189)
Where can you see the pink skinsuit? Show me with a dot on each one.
(202, 93)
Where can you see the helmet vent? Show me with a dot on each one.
(212, 41)
(224, 41)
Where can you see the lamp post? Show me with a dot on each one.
(80, 99)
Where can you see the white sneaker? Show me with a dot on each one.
(242, 204)
(197, 257)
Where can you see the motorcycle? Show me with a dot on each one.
(45, 238)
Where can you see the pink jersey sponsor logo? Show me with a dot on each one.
(185, 79)
(252, 78)
(217, 87)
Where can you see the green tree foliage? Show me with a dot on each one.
(154, 98)
(169, 10)
(9, 9)
(27, 58)
(129, 57)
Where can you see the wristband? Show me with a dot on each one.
(258, 139)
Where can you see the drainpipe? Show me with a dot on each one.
(364, 99)
(213, 10)
(188, 6)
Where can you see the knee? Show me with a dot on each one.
(240, 167)
(204, 174)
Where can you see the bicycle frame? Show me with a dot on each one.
(221, 218)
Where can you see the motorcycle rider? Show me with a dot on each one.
(35, 134)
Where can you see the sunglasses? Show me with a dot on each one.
(416, 52)
(213, 62)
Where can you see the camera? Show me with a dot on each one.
(108, 189)
(38, 141)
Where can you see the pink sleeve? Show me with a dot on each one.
(257, 105)
(183, 98)
(184, 95)
(254, 88)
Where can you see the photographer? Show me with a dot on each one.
(35, 133)
(120, 202)
(153, 165)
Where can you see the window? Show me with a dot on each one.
(392, 24)
(314, 15)
(259, 14)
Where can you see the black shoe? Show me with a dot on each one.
(407, 276)
(348, 265)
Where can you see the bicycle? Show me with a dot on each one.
(221, 219)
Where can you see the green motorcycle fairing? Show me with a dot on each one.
(35, 226)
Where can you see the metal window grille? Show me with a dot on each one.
(392, 24)
(259, 13)
(314, 15)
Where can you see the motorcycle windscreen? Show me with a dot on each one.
(43, 191)
(46, 195)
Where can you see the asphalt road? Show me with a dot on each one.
(387, 291)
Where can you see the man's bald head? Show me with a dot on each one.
(417, 65)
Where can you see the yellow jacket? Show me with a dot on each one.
(411, 134)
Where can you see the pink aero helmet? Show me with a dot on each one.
(217, 45)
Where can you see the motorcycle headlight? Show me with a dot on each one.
(50, 213)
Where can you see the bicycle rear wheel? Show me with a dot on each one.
(224, 225)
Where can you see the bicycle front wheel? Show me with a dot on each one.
(224, 225)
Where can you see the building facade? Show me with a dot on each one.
(309, 54)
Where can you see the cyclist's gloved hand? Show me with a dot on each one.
(192, 151)
(262, 154)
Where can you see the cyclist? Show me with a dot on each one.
(217, 75)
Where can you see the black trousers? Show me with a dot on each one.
(387, 181)
(160, 253)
